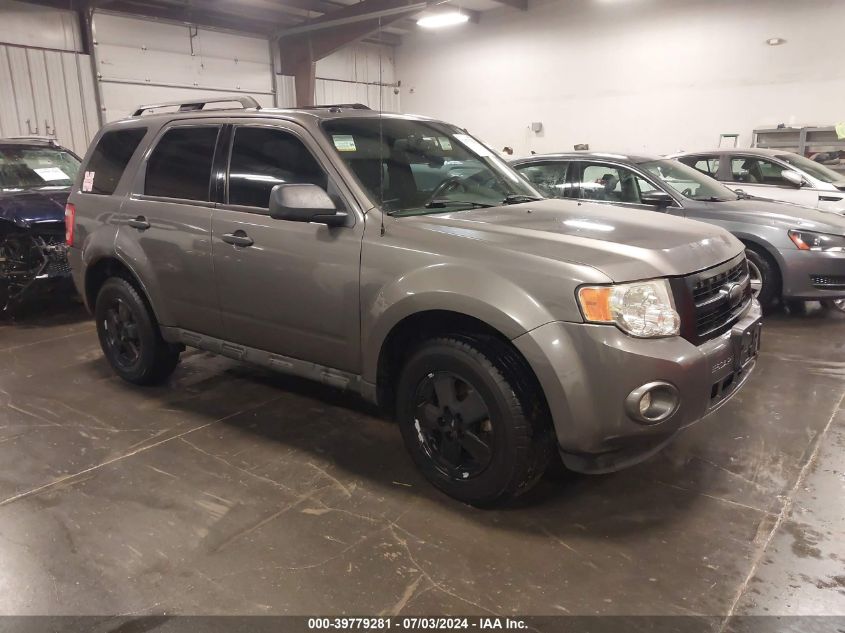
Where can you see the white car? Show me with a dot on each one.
(773, 174)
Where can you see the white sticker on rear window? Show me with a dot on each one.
(473, 145)
(445, 143)
(50, 173)
(88, 181)
(344, 142)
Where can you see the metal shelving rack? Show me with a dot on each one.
(803, 140)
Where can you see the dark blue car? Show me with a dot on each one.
(35, 180)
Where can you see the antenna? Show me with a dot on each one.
(380, 133)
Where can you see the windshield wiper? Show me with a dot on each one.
(442, 203)
(516, 198)
(710, 199)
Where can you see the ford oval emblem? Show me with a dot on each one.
(734, 293)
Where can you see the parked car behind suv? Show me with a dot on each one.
(35, 178)
(773, 174)
(398, 257)
(793, 252)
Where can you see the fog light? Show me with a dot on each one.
(645, 403)
(653, 403)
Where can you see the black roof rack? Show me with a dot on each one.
(191, 106)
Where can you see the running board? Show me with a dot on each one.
(283, 364)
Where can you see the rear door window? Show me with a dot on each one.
(707, 165)
(549, 178)
(109, 159)
(180, 165)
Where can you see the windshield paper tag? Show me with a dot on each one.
(50, 173)
(445, 143)
(88, 181)
(474, 145)
(344, 143)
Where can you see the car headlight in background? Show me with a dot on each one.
(809, 241)
(643, 308)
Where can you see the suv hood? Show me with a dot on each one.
(769, 213)
(624, 244)
(32, 206)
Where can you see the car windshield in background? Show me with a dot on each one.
(415, 167)
(36, 167)
(816, 170)
(687, 181)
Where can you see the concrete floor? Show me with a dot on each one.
(234, 491)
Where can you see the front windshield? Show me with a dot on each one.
(35, 167)
(816, 170)
(413, 167)
(687, 181)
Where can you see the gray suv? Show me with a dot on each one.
(400, 258)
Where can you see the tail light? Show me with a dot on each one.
(70, 221)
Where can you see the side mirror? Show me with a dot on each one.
(657, 198)
(792, 177)
(304, 203)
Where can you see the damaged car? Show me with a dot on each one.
(35, 179)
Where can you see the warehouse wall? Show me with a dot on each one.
(46, 84)
(144, 61)
(34, 25)
(654, 75)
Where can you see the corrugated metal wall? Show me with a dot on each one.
(49, 93)
(145, 61)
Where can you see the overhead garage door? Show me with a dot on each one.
(47, 93)
(143, 61)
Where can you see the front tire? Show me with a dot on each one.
(765, 277)
(130, 337)
(473, 419)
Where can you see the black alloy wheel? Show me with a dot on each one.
(453, 425)
(121, 332)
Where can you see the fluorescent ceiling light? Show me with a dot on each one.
(775, 41)
(443, 19)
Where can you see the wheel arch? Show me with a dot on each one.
(411, 330)
(99, 271)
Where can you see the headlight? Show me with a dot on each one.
(809, 241)
(643, 309)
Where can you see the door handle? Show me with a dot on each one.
(238, 238)
(139, 223)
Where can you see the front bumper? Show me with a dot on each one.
(587, 371)
(813, 274)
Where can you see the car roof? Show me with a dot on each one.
(576, 155)
(32, 141)
(752, 151)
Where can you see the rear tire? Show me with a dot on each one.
(473, 418)
(130, 336)
(764, 268)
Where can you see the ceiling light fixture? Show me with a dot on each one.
(439, 20)
(775, 41)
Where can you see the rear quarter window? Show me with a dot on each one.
(109, 159)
